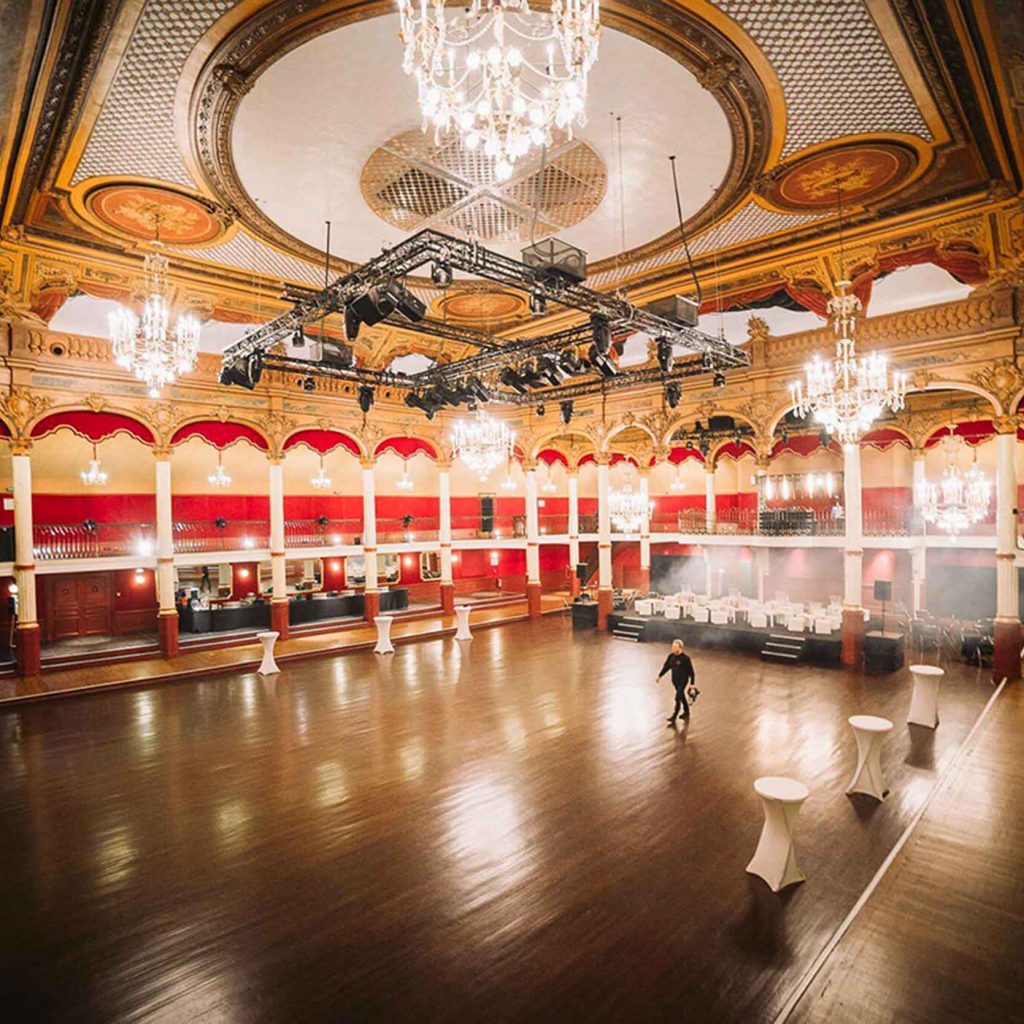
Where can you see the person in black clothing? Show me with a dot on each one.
(679, 664)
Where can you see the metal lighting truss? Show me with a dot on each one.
(493, 353)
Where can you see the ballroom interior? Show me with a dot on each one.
(385, 387)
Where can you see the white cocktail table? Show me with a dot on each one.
(775, 859)
(462, 620)
(869, 731)
(268, 666)
(924, 703)
(384, 644)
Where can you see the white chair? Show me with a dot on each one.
(924, 703)
(775, 858)
(672, 611)
(384, 644)
(643, 607)
(758, 619)
(701, 613)
(869, 731)
(720, 616)
(657, 606)
(268, 666)
(823, 626)
(462, 622)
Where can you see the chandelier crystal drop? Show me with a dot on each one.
(94, 476)
(627, 508)
(482, 443)
(503, 76)
(218, 478)
(147, 347)
(321, 481)
(847, 394)
(404, 482)
(959, 499)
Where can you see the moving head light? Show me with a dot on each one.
(245, 371)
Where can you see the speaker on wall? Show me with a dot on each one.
(581, 572)
(883, 590)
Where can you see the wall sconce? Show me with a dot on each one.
(243, 574)
(335, 566)
(495, 558)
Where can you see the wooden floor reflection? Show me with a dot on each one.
(496, 830)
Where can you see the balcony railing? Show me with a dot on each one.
(314, 533)
(233, 535)
(51, 541)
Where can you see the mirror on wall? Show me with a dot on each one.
(302, 576)
(430, 565)
(212, 581)
(388, 570)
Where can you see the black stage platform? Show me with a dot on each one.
(817, 649)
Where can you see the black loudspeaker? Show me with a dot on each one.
(883, 590)
(581, 572)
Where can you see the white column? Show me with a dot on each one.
(574, 518)
(761, 556)
(444, 517)
(532, 526)
(709, 581)
(1007, 601)
(710, 511)
(164, 535)
(278, 576)
(604, 527)
(918, 554)
(24, 551)
(853, 553)
(645, 522)
(370, 526)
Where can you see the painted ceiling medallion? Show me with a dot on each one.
(131, 209)
(862, 171)
(492, 305)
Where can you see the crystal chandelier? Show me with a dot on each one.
(848, 394)
(482, 443)
(94, 476)
(404, 482)
(959, 499)
(677, 484)
(627, 508)
(147, 347)
(503, 76)
(322, 482)
(508, 484)
(218, 478)
(548, 487)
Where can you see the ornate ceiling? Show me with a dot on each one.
(246, 125)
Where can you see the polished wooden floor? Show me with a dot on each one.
(496, 830)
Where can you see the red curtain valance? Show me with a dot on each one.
(681, 454)
(93, 426)
(220, 435)
(322, 441)
(406, 447)
(801, 444)
(550, 456)
(884, 437)
(615, 459)
(732, 450)
(973, 432)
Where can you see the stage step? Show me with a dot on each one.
(783, 648)
(629, 629)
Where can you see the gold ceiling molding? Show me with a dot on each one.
(237, 50)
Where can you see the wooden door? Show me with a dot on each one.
(78, 606)
(94, 604)
(62, 608)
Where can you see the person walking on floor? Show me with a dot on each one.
(679, 664)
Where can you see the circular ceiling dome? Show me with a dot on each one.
(313, 131)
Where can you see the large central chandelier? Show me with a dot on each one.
(503, 76)
(482, 443)
(847, 394)
(960, 498)
(627, 508)
(147, 346)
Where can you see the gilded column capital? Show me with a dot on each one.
(162, 452)
(367, 461)
(20, 445)
(1005, 424)
(530, 465)
(602, 458)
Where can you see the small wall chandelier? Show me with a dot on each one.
(548, 487)
(321, 481)
(148, 347)
(960, 498)
(627, 508)
(503, 76)
(677, 486)
(848, 394)
(482, 443)
(405, 482)
(218, 478)
(94, 476)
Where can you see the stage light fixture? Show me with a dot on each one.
(540, 409)
(405, 302)
(337, 355)
(298, 337)
(531, 375)
(538, 303)
(569, 361)
(244, 371)
(425, 403)
(511, 379)
(566, 408)
(307, 384)
(718, 380)
(547, 367)
(600, 361)
(602, 331)
(441, 274)
(784, 435)
(365, 397)
(673, 392)
(664, 355)
(475, 388)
